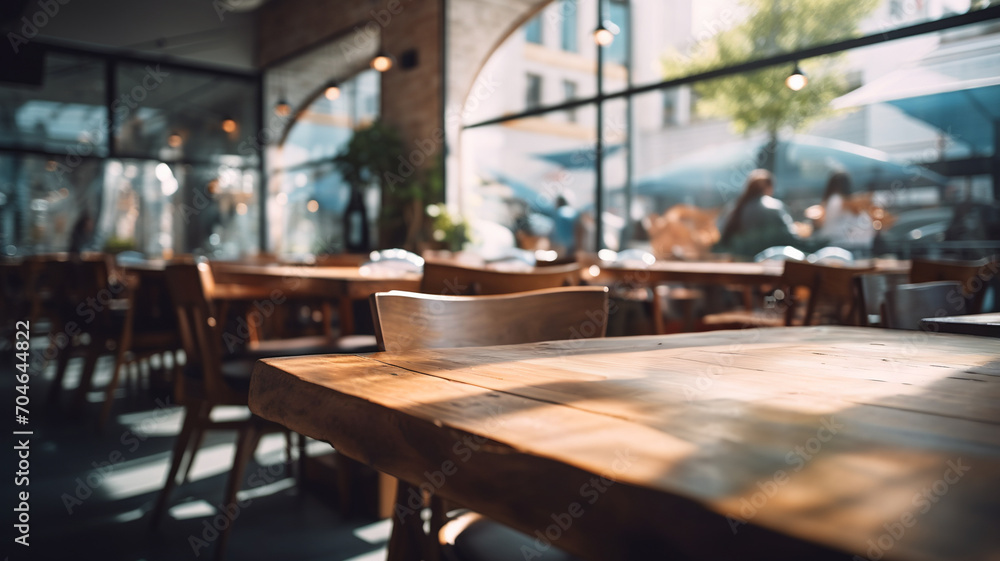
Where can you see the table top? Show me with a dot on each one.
(985, 325)
(726, 272)
(720, 444)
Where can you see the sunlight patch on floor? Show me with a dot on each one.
(376, 533)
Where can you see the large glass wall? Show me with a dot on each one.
(309, 194)
(113, 154)
(908, 125)
(328, 93)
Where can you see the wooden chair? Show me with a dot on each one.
(905, 305)
(207, 382)
(150, 329)
(15, 302)
(407, 320)
(82, 299)
(800, 280)
(457, 280)
(973, 275)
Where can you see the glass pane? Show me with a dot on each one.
(66, 114)
(162, 209)
(907, 127)
(167, 113)
(570, 32)
(533, 30)
(523, 74)
(530, 183)
(307, 195)
(46, 208)
(681, 37)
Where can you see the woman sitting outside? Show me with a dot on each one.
(758, 221)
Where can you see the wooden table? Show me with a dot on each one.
(984, 325)
(817, 442)
(343, 284)
(708, 273)
(721, 272)
(246, 282)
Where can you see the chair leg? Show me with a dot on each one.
(197, 438)
(86, 377)
(109, 392)
(303, 458)
(193, 417)
(62, 363)
(439, 517)
(246, 444)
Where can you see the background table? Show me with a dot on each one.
(984, 325)
(757, 444)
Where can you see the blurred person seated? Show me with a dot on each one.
(758, 221)
(533, 231)
(843, 220)
(683, 232)
(567, 229)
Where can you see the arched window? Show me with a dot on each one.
(330, 93)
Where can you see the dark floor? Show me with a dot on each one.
(91, 491)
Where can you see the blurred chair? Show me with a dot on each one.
(870, 289)
(150, 329)
(905, 305)
(457, 280)
(15, 304)
(468, 321)
(826, 290)
(831, 255)
(973, 276)
(87, 308)
(780, 253)
(210, 379)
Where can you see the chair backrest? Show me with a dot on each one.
(456, 280)
(973, 275)
(906, 304)
(410, 320)
(870, 292)
(200, 329)
(833, 284)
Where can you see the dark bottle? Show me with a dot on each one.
(356, 238)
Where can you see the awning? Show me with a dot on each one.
(956, 89)
(577, 159)
(803, 165)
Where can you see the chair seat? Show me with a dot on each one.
(481, 539)
(235, 373)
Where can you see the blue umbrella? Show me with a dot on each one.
(580, 158)
(802, 167)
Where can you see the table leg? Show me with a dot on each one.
(407, 540)
(346, 316)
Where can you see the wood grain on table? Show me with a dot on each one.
(767, 443)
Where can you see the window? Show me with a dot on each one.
(568, 18)
(917, 156)
(533, 93)
(669, 108)
(569, 91)
(168, 179)
(617, 51)
(533, 30)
